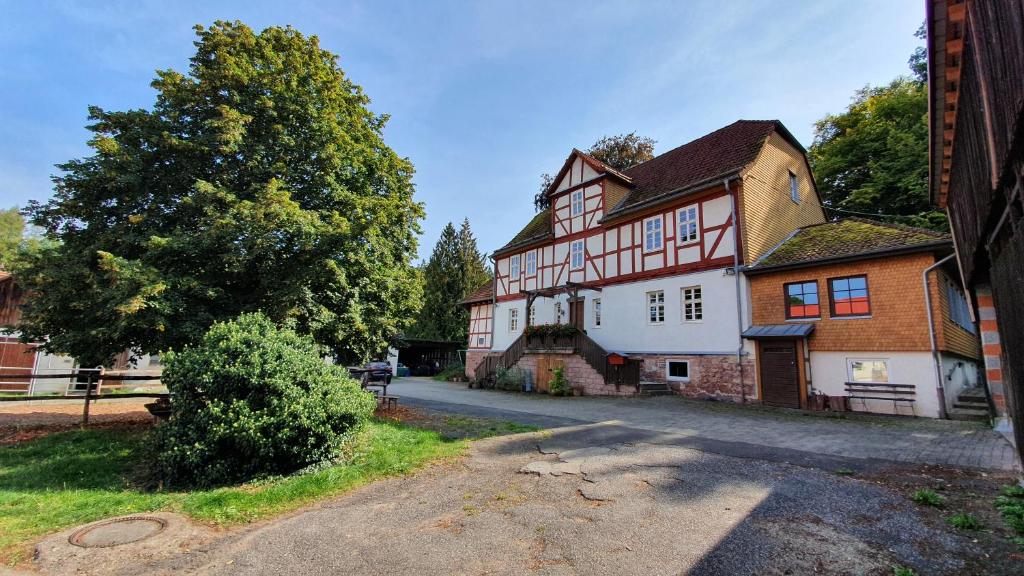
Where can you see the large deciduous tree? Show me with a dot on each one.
(620, 152)
(259, 180)
(872, 159)
(455, 269)
(12, 230)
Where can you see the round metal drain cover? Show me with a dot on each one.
(118, 531)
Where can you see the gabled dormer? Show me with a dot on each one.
(582, 191)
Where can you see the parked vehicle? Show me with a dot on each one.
(379, 372)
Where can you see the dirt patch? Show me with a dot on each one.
(20, 423)
(968, 491)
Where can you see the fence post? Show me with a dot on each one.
(88, 394)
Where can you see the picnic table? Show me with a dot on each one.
(372, 378)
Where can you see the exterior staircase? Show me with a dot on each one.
(971, 404)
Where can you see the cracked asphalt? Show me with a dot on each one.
(584, 499)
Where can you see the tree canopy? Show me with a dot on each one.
(455, 269)
(872, 159)
(259, 180)
(12, 230)
(619, 152)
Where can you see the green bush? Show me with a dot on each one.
(512, 379)
(928, 498)
(902, 571)
(451, 372)
(252, 400)
(558, 385)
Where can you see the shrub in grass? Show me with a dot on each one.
(964, 521)
(928, 498)
(511, 379)
(451, 372)
(251, 399)
(902, 571)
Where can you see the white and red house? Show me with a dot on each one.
(648, 261)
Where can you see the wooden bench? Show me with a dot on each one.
(898, 394)
(388, 402)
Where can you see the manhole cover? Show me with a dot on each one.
(118, 531)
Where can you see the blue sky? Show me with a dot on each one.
(483, 96)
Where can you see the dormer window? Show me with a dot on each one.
(794, 188)
(577, 202)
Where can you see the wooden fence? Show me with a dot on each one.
(93, 380)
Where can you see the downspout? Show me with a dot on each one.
(936, 357)
(739, 298)
(494, 297)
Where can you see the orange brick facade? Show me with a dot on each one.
(898, 320)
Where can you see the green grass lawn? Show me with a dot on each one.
(72, 478)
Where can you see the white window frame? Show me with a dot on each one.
(513, 267)
(531, 263)
(692, 305)
(655, 301)
(513, 319)
(576, 249)
(794, 188)
(558, 312)
(888, 370)
(597, 312)
(531, 315)
(653, 235)
(689, 217)
(668, 372)
(576, 200)
(479, 340)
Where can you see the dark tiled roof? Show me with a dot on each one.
(722, 152)
(481, 294)
(537, 229)
(847, 238)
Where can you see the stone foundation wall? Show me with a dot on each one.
(710, 376)
(581, 376)
(473, 359)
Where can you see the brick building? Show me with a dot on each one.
(840, 309)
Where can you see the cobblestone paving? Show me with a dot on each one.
(913, 440)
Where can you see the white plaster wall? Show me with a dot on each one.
(829, 376)
(957, 373)
(625, 328)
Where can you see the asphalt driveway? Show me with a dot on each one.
(728, 429)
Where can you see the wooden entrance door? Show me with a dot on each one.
(546, 365)
(576, 313)
(780, 379)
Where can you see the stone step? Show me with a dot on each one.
(971, 405)
(971, 393)
(968, 415)
(655, 389)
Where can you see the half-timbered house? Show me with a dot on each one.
(647, 262)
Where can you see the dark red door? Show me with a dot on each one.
(576, 313)
(15, 358)
(780, 381)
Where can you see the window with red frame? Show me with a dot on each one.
(849, 296)
(802, 300)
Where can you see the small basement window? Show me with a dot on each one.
(677, 370)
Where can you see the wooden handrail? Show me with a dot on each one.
(592, 352)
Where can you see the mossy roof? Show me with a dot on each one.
(538, 229)
(848, 238)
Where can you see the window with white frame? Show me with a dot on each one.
(576, 255)
(532, 316)
(656, 307)
(479, 340)
(531, 263)
(652, 234)
(677, 370)
(693, 306)
(794, 188)
(513, 266)
(513, 319)
(869, 370)
(577, 202)
(688, 225)
(558, 312)
(597, 312)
